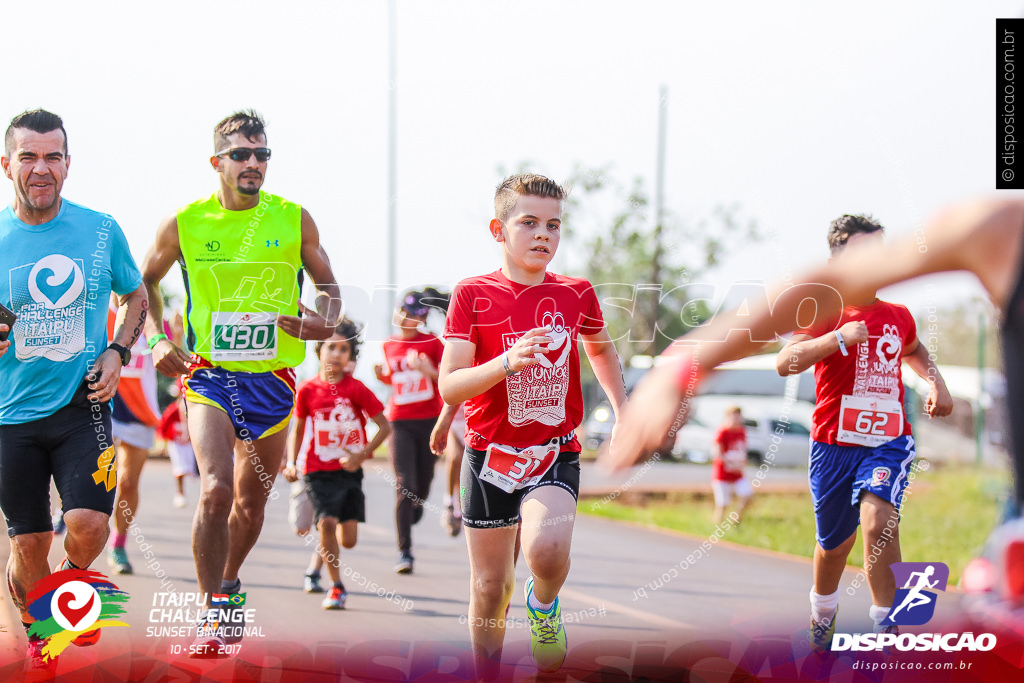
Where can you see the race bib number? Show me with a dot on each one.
(411, 386)
(244, 336)
(734, 460)
(335, 440)
(866, 421)
(510, 469)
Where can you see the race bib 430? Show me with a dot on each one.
(244, 336)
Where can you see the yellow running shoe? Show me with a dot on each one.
(547, 635)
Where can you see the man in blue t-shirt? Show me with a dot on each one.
(61, 262)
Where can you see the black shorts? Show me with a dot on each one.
(338, 494)
(485, 506)
(75, 447)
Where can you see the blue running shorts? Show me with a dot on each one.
(839, 474)
(259, 403)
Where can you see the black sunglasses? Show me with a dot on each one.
(243, 153)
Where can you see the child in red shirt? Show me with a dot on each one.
(512, 356)
(727, 478)
(335, 404)
(412, 357)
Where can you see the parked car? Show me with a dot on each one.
(777, 432)
(740, 382)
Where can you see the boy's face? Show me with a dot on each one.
(335, 354)
(531, 232)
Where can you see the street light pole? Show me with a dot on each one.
(392, 162)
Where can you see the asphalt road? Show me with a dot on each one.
(632, 595)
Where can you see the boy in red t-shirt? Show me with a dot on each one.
(335, 404)
(727, 477)
(861, 443)
(512, 356)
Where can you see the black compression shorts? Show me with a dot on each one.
(74, 446)
(485, 506)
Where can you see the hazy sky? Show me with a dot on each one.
(797, 111)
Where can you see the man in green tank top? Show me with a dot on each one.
(242, 253)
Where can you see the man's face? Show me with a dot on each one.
(244, 176)
(532, 231)
(38, 167)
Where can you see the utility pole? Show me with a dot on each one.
(659, 213)
(392, 162)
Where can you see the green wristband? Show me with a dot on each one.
(155, 339)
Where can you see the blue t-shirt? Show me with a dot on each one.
(58, 281)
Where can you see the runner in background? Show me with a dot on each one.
(411, 358)
(336, 406)
(448, 438)
(300, 514)
(135, 417)
(173, 429)
(727, 480)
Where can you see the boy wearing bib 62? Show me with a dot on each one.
(862, 447)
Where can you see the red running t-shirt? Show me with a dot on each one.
(414, 396)
(545, 400)
(729, 465)
(336, 414)
(860, 396)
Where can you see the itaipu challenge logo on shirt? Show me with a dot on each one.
(48, 297)
(537, 393)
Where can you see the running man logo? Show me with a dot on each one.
(914, 603)
(71, 603)
(106, 469)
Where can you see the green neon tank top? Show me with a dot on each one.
(241, 269)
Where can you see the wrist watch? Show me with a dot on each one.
(124, 353)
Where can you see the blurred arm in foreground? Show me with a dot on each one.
(982, 237)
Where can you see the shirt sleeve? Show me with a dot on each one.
(820, 327)
(124, 274)
(301, 403)
(368, 401)
(911, 328)
(436, 351)
(593, 317)
(459, 322)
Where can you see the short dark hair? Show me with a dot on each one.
(347, 329)
(515, 186)
(846, 226)
(247, 122)
(418, 304)
(37, 121)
